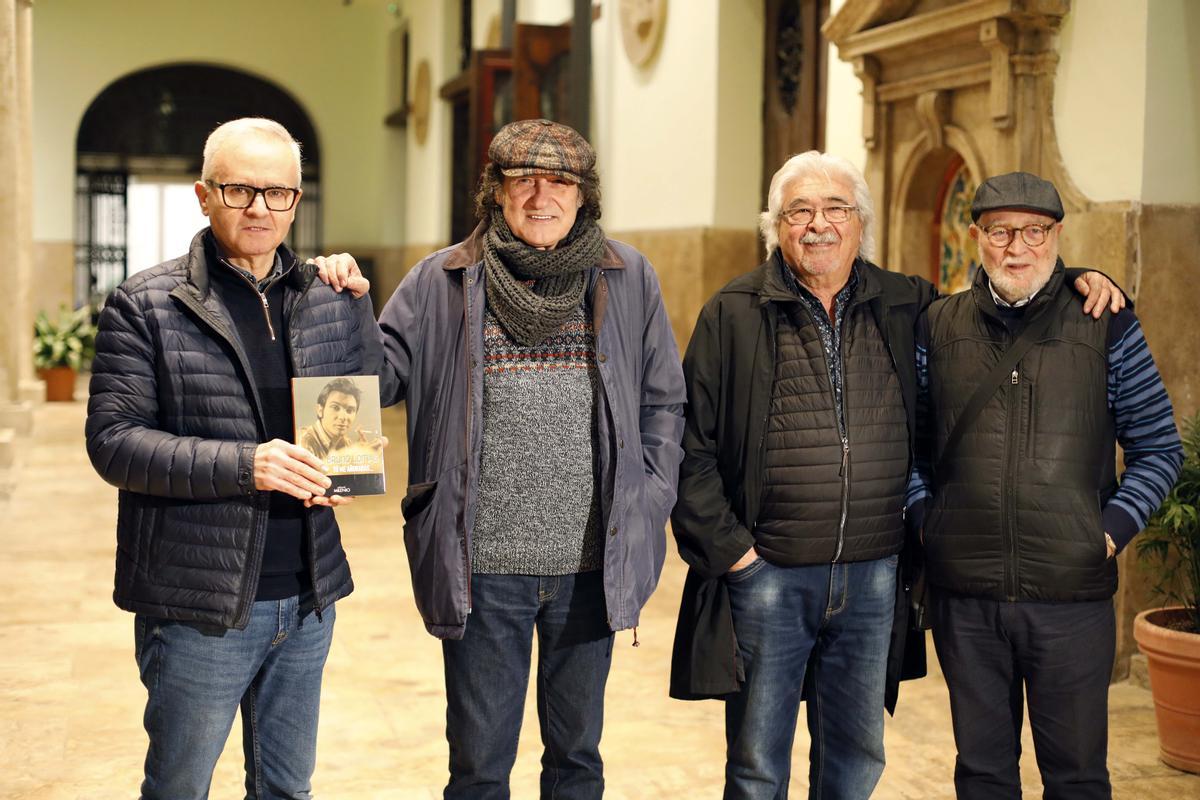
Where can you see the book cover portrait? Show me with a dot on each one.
(339, 421)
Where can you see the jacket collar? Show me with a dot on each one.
(774, 290)
(202, 255)
(982, 295)
(469, 252)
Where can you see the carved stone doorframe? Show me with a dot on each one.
(968, 77)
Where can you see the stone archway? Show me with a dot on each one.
(923, 165)
(154, 122)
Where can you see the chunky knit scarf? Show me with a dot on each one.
(531, 313)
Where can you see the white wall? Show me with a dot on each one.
(655, 131)
(427, 166)
(1100, 97)
(549, 12)
(331, 58)
(738, 149)
(843, 106)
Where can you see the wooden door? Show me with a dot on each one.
(794, 75)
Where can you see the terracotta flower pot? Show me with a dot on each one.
(1173, 658)
(60, 384)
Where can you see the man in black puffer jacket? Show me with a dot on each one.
(227, 548)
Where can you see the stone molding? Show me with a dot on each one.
(971, 77)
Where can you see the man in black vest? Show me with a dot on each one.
(1022, 400)
(801, 400)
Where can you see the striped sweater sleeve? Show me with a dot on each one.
(1146, 430)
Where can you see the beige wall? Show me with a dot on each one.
(330, 57)
(1100, 97)
(1127, 99)
(1171, 172)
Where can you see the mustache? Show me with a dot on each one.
(820, 238)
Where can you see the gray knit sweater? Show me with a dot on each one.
(538, 506)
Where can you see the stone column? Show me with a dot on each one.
(9, 180)
(28, 386)
(15, 335)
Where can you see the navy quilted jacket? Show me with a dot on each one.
(173, 422)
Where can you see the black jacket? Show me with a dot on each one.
(174, 420)
(729, 368)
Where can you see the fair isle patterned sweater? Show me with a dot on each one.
(538, 505)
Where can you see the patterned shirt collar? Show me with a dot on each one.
(800, 290)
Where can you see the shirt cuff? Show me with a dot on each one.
(1119, 525)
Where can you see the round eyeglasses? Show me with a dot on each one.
(802, 215)
(1033, 235)
(239, 195)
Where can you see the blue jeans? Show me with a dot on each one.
(487, 673)
(827, 626)
(198, 675)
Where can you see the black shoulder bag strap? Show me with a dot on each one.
(1002, 372)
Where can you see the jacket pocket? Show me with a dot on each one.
(419, 496)
(437, 552)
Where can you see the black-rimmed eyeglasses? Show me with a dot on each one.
(1033, 235)
(802, 215)
(239, 195)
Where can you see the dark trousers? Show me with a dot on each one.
(1059, 656)
(487, 673)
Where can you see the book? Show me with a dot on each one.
(338, 420)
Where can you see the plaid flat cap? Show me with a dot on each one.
(539, 146)
(1017, 190)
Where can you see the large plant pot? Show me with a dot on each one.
(60, 384)
(1173, 658)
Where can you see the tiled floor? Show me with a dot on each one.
(70, 700)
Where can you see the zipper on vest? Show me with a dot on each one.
(844, 473)
(844, 434)
(1008, 493)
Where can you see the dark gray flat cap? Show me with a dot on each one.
(1017, 190)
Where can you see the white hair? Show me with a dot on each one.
(238, 127)
(826, 165)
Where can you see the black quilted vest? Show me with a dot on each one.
(1016, 510)
(819, 507)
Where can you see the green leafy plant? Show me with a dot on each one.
(1171, 545)
(69, 341)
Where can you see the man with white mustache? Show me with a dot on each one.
(1025, 513)
(801, 411)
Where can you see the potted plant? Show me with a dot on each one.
(1170, 636)
(61, 348)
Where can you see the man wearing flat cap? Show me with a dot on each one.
(545, 408)
(801, 383)
(1021, 401)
